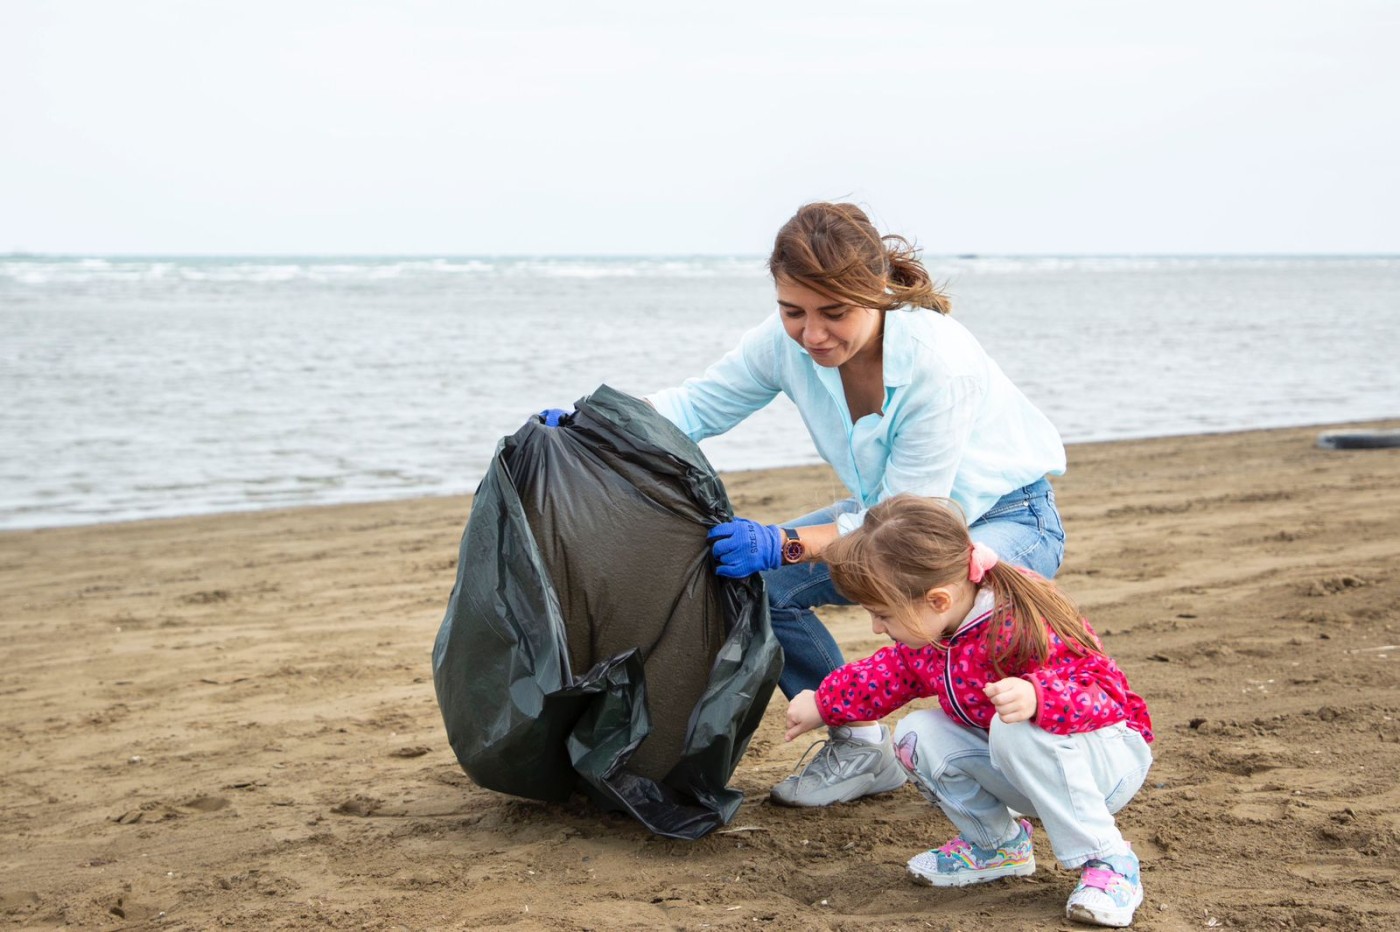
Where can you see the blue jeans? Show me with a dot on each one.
(1023, 527)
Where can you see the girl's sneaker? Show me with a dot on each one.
(959, 863)
(1109, 891)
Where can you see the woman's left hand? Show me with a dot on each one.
(802, 714)
(1014, 699)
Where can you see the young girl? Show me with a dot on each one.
(1032, 716)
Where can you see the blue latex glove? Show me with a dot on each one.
(743, 547)
(552, 416)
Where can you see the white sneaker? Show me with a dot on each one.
(1109, 891)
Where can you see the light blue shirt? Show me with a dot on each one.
(953, 424)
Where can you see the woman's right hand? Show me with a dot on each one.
(742, 547)
(802, 714)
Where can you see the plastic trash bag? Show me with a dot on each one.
(588, 644)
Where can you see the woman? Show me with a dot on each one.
(898, 397)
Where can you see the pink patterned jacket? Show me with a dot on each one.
(1073, 693)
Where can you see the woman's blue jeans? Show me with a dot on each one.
(1023, 528)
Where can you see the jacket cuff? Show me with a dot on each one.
(825, 708)
(1039, 700)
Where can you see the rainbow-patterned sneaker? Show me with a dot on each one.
(1109, 890)
(959, 863)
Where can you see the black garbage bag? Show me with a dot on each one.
(588, 644)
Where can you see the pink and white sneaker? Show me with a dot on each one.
(1109, 891)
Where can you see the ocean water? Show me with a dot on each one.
(139, 387)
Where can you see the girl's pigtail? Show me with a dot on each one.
(1026, 598)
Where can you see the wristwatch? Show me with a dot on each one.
(793, 548)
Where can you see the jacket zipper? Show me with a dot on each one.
(948, 672)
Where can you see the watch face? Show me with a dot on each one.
(793, 551)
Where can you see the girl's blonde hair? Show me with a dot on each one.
(836, 250)
(908, 545)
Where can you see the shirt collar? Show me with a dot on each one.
(898, 347)
(981, 605)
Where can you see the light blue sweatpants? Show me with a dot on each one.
(1072, 783)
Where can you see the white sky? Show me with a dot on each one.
(548, 126)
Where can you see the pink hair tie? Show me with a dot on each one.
(982, 559)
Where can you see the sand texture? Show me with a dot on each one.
(229, 722)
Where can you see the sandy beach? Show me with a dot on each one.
(229, 721)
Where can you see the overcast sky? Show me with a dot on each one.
(565, 126)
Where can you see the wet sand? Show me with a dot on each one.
(230, 721)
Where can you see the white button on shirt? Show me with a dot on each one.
(953, 424)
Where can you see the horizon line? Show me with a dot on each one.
(970, 254)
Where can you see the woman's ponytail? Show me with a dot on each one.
(909, 282)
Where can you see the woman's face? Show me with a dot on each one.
(831, 331)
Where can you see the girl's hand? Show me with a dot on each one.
(802, 714)
(1013, 697)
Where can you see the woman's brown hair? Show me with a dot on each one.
(836, 250)
(908, 545)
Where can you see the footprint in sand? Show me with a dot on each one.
(359, 805)
(151, 811)
(157, 811)
(416, 751)
(1331, 585)
(14, 901)
(205, 803)
(132, 911)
